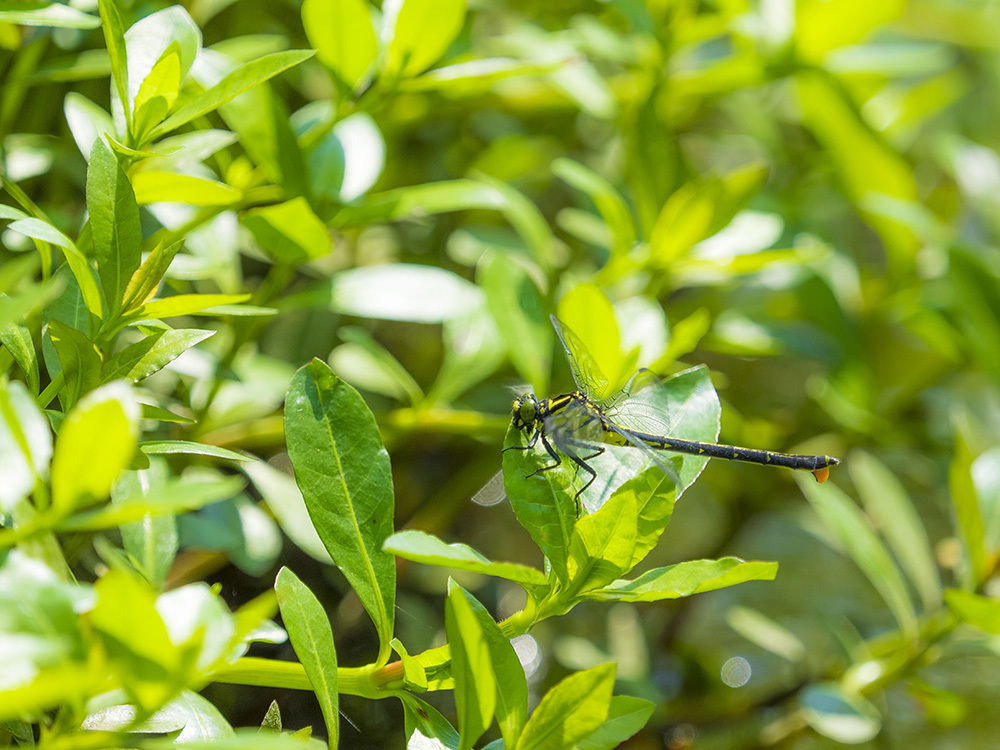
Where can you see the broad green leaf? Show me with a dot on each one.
(198, 619)
(16, 339)
(25, 444)
(152, 542)
(52, 15)
(342, 33)
(685, 579)
(766, 633)
(418, 32)
(87, 122)
(95, 444)
(135, 639)
(169, 498)
(185, 304)
(426, 728)
(76, 261)
(114, 221)
(195, 717)
(285, 501)
(141, 359)
(289, 232)
(975, 609)
(839, 715)
(242, 739)
(588, 313)
(853, 531)
(965, 500)
(571, 711)
(169, 187)
(349, 159)
(626, 716)
(519, 311)
(190, 448)
(654, 496)
(419, 546)
(114, 40)
(343, 471)
(80, 360)
(164, 33)
(144, 282)
(544, 503)
(309, 630)
(865, 163)
(471, 667)
(398, 291)
(364, 362)
(607, 200)
(603, 544)
(887, 503)
(511, 684)
(239, 80)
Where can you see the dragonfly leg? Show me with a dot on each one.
(552, 454)
(528, 447)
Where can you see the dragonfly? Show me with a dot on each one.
(580, 425)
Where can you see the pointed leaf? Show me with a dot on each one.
(471, 668)
(309, 630)
(16, 339)
(426, 548)
(572, 710)
(343, 471)
(421, 31)
(80, 361)
(25, 444)
(685, 579)
(839, 715)
(626, 717)
(185, 304)
(965, 500)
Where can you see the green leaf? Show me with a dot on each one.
(80, 360)
(25, 444)
(144, 282)
(886, 501)
(419, 33)
(820, 27)
(152, 542)
(349, 159)
(519, 311)
(414, 674)
(168, 187)
(170, 498)
(965, 501)
(289, 232)
(685, 579)
(766, 633)
(76, 261)
(571, 711)
(607, 200)
(95, 444)
(187, 447)
(52, 15)
(135, 639)
(195, 717)
(626, 717)
(114, 40)
(343, 471)
(185, 304)
(143, 358)
(544, 504)
(975, 609)
(588, 312)
(839, 715)
(473, 350)
(426, 728)
(603, 544)
(16, 339)
(342, 33)
(654, 496)
(311, 636)
(854, 532)
(471, 667)
(399, 291)
(419, 546)
(239, 80)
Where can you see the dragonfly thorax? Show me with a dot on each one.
(525, 411)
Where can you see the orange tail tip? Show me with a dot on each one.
(822, 474)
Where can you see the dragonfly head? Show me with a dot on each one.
(525, 410)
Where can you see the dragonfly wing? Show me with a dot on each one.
(668, 466)
(586, 373)
(577, 424)
(492, 492)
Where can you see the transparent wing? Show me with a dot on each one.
(669, 467)
(573, 427)
(643, 405)
(492, 492)
(587, 375)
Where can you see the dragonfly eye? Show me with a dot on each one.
(526, 409)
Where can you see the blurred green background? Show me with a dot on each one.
(802, 195)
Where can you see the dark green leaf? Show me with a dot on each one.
(80, 362)
(343, 471)
(16, 339)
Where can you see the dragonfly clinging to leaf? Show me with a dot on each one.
(579, 425)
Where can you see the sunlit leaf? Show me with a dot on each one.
(428, 549)
(685, 579)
